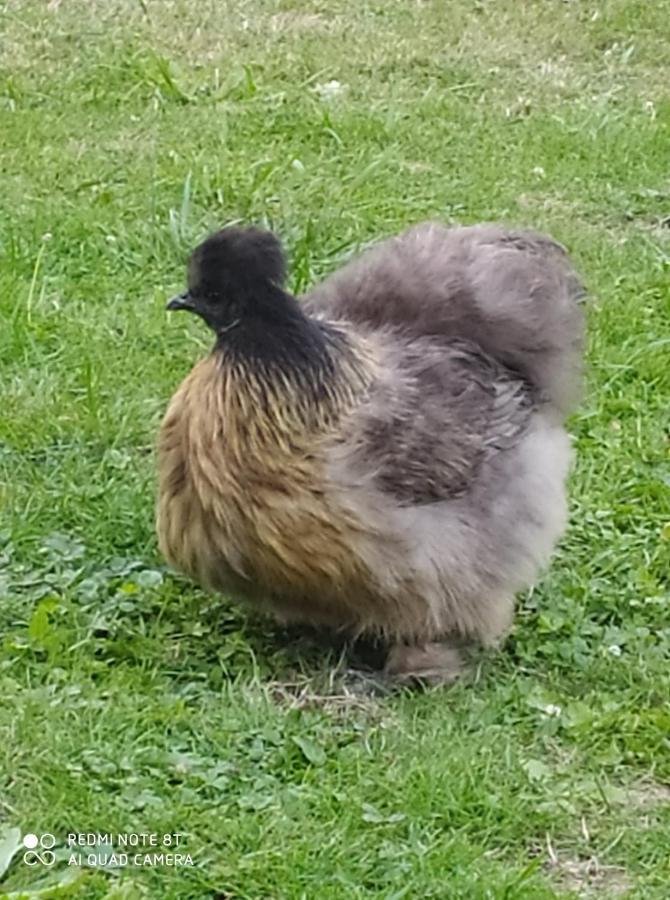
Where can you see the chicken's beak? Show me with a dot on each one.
(181, 301)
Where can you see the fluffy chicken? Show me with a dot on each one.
(388, 456)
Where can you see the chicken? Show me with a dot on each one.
(388, 456)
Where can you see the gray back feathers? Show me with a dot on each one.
(512, 293)
(437, 413)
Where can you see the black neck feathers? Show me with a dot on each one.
(285, 344)
(235, 284)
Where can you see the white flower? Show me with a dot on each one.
(329, 91)
(552, 710)
(650, 108)
(539, 171)
(614, 650)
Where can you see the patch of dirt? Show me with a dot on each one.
(647, 795)
(639, 803)
(588, 878)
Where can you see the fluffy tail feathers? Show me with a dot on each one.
(514, 293)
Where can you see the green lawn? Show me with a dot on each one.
(132, 702)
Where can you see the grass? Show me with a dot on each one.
(132, 702)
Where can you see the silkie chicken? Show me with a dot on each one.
(388, 456)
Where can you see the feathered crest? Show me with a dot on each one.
(236, 261)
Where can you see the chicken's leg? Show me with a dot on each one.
(431, 663)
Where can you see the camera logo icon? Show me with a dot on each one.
(39, 849)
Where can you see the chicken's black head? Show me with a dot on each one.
(235, 276)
